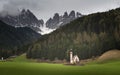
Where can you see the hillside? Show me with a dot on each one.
(12, 39)
(88, 36)
(21, 58)
(109, 56)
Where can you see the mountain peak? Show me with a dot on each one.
(72, 14)
(23, 10)
(78, 14)
(65, 15)
(25, 19)
(59, 21)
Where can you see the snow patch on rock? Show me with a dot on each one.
(45, 30)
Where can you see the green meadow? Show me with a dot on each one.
(15, 68)
(26, 67)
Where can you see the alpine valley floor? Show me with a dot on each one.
(29, 68)
(22, 66)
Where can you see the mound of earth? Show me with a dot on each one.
(110, 55)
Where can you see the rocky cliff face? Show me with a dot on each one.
(58, 20)
(25, 19)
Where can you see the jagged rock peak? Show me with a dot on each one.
(65, 15)
(58, 21)
(72, 14)
(24, 19)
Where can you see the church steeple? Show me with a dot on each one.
(71, 56)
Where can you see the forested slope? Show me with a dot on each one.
(12, 39)
(88, 36)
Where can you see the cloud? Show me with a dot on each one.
(46, 8)
(12, 7)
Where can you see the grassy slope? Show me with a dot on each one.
(32, 68)
(21, 58)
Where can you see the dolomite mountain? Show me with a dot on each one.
(58, 21)
(24, 19)
(27, 19)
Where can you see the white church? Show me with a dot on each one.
(73, 59)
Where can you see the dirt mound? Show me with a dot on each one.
(110, 55)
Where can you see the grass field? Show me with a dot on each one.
(15, 68)
(32, 68)
(22, 58)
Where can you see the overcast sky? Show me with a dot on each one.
(45, 9)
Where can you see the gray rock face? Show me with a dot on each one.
(58, 21)
(25, 19)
